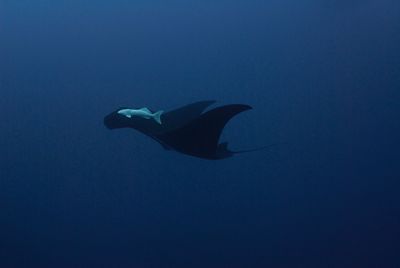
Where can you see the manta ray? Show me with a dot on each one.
(188, 129)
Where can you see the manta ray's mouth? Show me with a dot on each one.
(110, 121)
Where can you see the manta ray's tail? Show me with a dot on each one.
(224, 151)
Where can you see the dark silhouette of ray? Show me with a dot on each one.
(187, 129)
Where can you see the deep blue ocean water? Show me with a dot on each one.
(323, 78)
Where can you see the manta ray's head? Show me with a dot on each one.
(116, 120)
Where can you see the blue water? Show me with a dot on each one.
(323, 78)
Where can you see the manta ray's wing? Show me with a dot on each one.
(177, 118)
(200, 136)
